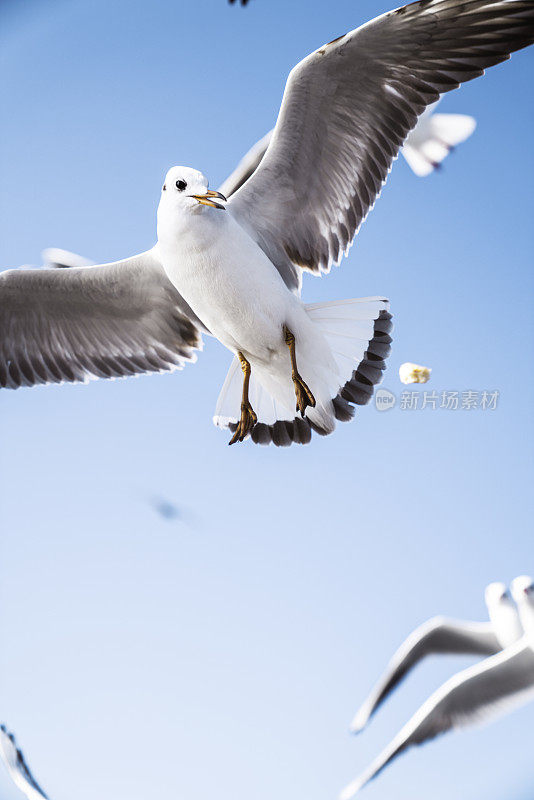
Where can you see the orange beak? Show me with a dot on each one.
(205, 199)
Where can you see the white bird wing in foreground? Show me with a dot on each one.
(17, 767)
(246, 167)
(346, 111)
(494, 686)
(108, 321)
(438, 635)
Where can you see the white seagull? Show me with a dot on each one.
(492, 687)
(522, 589)
(235, 270)
(434, 137)
(17, 767)
(441, 635)
(426, 146)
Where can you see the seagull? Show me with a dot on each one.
(441, 635)
(493, 686)
(434, 137)
(426, 146)
(17, 767)
(522, 589)
(56, 258)
(233, 269)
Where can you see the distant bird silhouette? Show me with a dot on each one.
(166, 509)
(243, 2)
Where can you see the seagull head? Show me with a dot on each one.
(496, 594)
(186, 189)
(522, 588)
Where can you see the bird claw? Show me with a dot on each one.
(304, 395)
(246, 423)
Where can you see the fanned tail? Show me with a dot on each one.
(357, 333)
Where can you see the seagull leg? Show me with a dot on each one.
(304, 396)
(248, 417)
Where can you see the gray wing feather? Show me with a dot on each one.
(106, 321)
(438, 635)
(494, 686)
(246, 167)
(17, 767)
(346, 111)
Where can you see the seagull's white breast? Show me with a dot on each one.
(227, 280)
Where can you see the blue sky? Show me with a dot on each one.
(225, 654)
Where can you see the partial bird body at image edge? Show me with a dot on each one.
(496, 685)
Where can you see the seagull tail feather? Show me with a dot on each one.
(357, 335)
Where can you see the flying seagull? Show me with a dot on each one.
(522, 589)
(440, 635)
(432, 139)
(493, 686)
(56, 258)
(17, 767)
(234, 269)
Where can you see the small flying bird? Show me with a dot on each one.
(234, 269)
(17, 767)
(243, 2)
(434, 137)
(166, 508)
(493, 686)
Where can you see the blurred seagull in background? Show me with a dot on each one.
(432, 139)
(17, 767)
(446, 636)
(522, 589)
(493, 686)
(55, 258)
(234, 269)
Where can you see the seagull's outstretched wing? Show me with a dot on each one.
(104, 321)
(17, 767)
(438, 635)
(494, 686)
(346, 111)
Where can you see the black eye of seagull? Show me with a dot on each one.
(181, 185)
(164, 187)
